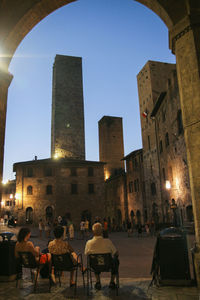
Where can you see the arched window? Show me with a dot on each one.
(153, 188)
(167, 139)
(49, 190)
(29, 190)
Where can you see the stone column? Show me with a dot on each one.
(185, 43)
(5, 80)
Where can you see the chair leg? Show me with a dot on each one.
(88, 283)
(76, 281)
(117, 284)
(36, 278)
(91, 278)
(59, 272)
(83, 275)
(17, 279)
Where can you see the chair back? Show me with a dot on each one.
(62, 262)
(100, 262)
(27, 260)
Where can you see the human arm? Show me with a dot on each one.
(34, 250)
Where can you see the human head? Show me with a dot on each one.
(97, 229)
(58, 232)
(24, 231)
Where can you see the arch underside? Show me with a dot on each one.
(18, 17)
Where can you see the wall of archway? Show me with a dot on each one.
(19, 17)
(182, 17)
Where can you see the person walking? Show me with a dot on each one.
(87, 228)
(105, 228)
(71, 231)
(47, 229)
(82, 229)
(129, 227)
(41, 227)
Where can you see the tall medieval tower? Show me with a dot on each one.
(152, 81)
(67, 126)
(111, 145)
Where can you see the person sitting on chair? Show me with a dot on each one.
(24, 245)
(58, 246)
(100, 245)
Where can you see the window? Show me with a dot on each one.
(161, 146)
(91, 188)
(149, 143)
(163, 171)
(49, 190)
(153, 188)
(74, 188)
(29, 190)
(130, 186)
(29, 172)
(48, 171)
(179, 122)
(90, 171)
(167, 139)
(73, 172)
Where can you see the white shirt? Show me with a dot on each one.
(99, 245)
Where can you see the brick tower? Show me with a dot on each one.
(111, 145)
(67, 125)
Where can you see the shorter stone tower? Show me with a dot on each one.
(111, 145)
(67, 126)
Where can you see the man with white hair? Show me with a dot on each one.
(100, 245)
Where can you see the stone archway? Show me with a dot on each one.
(182, 17)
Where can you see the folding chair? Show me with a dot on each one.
(98, 263)
(65, 262)
(27, 260)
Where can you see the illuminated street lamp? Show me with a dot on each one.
(168, 185)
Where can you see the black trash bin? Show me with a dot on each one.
(170, 262)
(7, 257)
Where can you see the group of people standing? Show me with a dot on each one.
(47, 227)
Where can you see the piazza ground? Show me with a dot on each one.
(135, 265)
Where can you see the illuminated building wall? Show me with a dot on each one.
(111, 145)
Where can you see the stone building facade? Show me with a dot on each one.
(136, 197)
(171, 151)
(67, 125)
(116, 206)
(151, 82)
(48, 188)
(111, 144)
(8, 197)
(164, 151)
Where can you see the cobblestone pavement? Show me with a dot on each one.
(135, 263)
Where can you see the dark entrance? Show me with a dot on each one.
(49, 213)
(29, 215)
(189, 213)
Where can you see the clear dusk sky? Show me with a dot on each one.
(115, 38)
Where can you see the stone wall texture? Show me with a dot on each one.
(111, 144)
(61, 197)
(67, 132)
